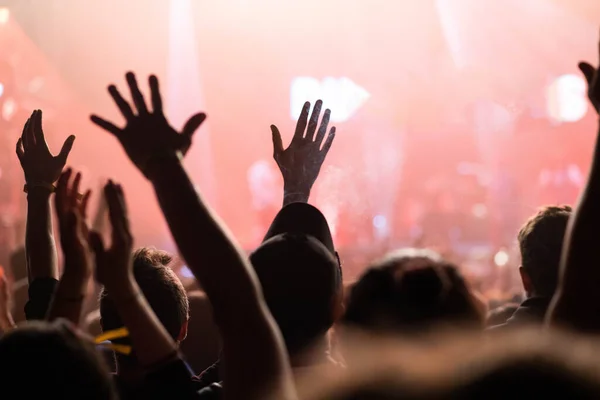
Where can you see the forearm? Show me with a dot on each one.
(204, 243)
(39, 237)
(6, 321)
(580, 280)
(69, 297)
(151, 342)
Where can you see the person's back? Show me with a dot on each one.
(540, 243)
(41, 360)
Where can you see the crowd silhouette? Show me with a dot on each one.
(279, 323)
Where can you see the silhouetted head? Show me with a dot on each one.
(411, 290)
(300, 275)
(540, 242)
(41, 360)
(163, 291)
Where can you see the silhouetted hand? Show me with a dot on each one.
(301, 162)
(74, 232)
(113, 264)
(39, 165)
(147, 134)
(592, 76)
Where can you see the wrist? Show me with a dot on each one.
(295, 196)
(157, 163)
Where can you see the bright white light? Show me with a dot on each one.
(8, 109)
(379, 222)
(4, 14)
(186, 272)
(567, 99)
(342, 96)
(1, 89)
(501, 258)
(382, 230)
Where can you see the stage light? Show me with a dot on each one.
(4, 14)
(566, 98)
(341, 95)
(379, 222)
(9, 109)
(501, 258)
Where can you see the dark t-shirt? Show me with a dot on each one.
(172, 381)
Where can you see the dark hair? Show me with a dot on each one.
(300, 279)
(540, 242)
(42, 360)
(161, 287)
(411, 290)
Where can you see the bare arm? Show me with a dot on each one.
(301, 162)
(114, 269)
(41, 171)
(71, 290)
(253, 360)
(577, 302)
(230, 284)
(6, 319)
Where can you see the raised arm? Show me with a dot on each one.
(254, 356)
(41, 170)
(114, 269)
(71, 290)
(577, 301)
(301, 162)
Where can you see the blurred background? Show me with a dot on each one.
(456, 119)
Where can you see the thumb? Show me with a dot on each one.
(192, 125)
(66, 149)
(588, 71)
(277, 143)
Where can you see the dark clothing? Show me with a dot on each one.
(172, 381)
(40, 291)
(531, 312)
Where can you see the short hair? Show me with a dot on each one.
(541, 242)
(409, 291)
(300, 279)
(161, 287)
(64, 365)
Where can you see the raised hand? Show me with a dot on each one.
(39, 165)
(147, 135)
(592, 76)
(301, 162)
(113, 264)
(71, 211)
